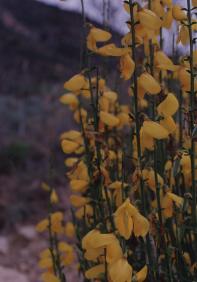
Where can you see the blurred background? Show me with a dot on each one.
(39, 50)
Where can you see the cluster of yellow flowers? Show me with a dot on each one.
(132, 168)
(59, 254)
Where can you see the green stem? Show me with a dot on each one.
(137, 125)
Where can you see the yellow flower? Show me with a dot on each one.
(70, 230)
(111, 96)
(178, 14)
(78, 185)
(49, 277)
(169, 124)
(42, 225)
(96, 239)
(176, 199)
(113, 251)
(56, 222)
(163, 62)
(64, 247)
(54, 197)
(168, 106)
(158, 8)
(142, 274)
(112, 50)
(95, 271)
(124, 119)
(80, 172)
(167, 206)
(149, 176)
(149, 83)
(82, 113)
(72, 135)
(78, 201)
(167, 19)
(75, 83)
(155, 130)
(68, 258)
(168, 165)
(45, 187)
(127, 66)
(93, 254)
(70, 162)
(45, 262)
(123, 219)
(100, 35)
(68, 146)
(149, 19)
(183, 36)
(104, 104)
(120, 271)
(140, 225)
(194, 3)
(147, 141)
(71, 100)
(109, 119)
(45, 253)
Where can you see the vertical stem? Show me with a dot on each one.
(148, 243)
(180, 119)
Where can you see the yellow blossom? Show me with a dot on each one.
(149, 84)
(95, 271)
(109, 119)
(70, 230)
(75, 83)
(120, 271)
(127, 66)
(155, 130)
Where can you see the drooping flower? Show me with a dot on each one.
(140, 225)
(155, 130)
(168, 106)
(123, 219)
(127, 66)
(120, 271)
(169, 124)
(149, 19)
(95, 271)
(70, 99)
(177, 13)
(142, 274)
(109, 119)
(75, 83)
(68, 146)
(149, 83)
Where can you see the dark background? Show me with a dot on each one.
(39, 51)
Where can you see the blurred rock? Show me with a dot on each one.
(11, 275)
(28, 232)
(4, 245)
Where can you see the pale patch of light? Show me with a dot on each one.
(117, 19)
